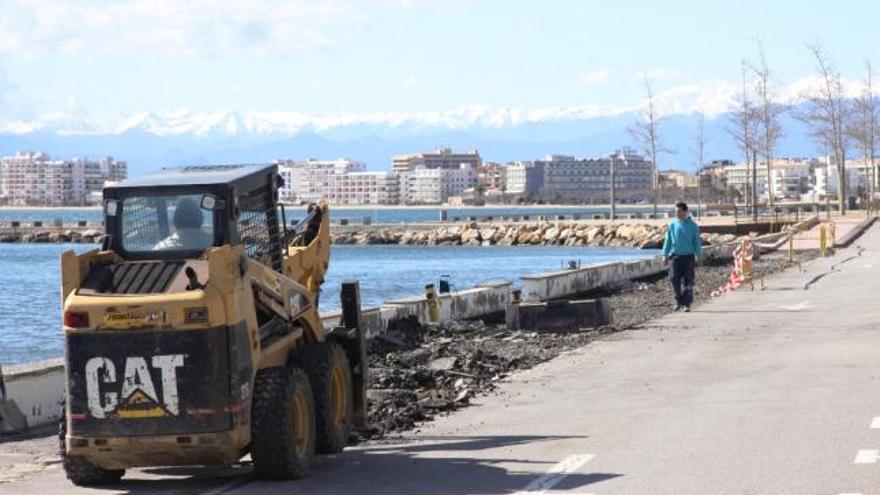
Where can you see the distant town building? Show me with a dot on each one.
(341, 182)
(790, 179)
(678, 179)
(444, 158)
(524, 179)
(33, 178)
(491, 178)
(366, 188)
(435, 185)
(570, 180)
(859, 176)
(88, 178)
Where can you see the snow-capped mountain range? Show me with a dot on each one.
(149, 140)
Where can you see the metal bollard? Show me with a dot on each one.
(433, 304)
(511, 317)
(822, 240)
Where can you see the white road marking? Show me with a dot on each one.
(867, 456)
(796, 307)
(875, 423)
(556, 474)
(231, 485)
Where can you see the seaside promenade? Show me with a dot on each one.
(774, 391)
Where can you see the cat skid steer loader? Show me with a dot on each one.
(193, 336)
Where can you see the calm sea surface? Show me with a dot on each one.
(354, 215)
(30, 306)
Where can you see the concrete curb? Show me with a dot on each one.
(855, 232)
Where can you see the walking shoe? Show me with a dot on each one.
(686, 309)
(677, 308)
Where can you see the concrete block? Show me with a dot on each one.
(11, 418)
(564, 315)
(37, 390)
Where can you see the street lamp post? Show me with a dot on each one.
(613, 199)
(755, 186)
(699, 191)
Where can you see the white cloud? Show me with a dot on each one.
(594, 76)
(185, 27)
(170, 27)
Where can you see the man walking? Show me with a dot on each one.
(682, 246)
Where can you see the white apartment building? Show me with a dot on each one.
(808, 179)
(739, 178)
(858, 179)
(89, 178)
(33, 178)
(366, 188)
(435, 185)
(341, 182)
(792, 179)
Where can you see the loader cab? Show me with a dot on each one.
(178, 213)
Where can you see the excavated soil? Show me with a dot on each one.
(419, 371)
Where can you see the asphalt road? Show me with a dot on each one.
(764, 392)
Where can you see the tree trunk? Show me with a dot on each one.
(841, 185)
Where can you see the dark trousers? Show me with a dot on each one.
(681, 274)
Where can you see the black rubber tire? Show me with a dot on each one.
(78, 469)
(321, 360)
(281, 395)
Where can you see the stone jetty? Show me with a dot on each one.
(88, 235)
(559, 233)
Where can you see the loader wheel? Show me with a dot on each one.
(283, 428)
(78, 469)
(330, 374)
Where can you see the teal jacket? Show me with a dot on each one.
(682, 238)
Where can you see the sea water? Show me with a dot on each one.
(30, 280)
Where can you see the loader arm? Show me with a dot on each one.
(307, 255)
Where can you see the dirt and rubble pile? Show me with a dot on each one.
(419, 371)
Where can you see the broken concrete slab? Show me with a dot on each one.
(443, 364)
(565, 315)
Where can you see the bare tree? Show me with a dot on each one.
(645, 132)
(864, 127)
(767, 114)
(827, 113)
(700, 140)
(744, 129)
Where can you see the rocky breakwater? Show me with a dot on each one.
(536, 234)
(87, 236)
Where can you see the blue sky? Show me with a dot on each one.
(101, 58)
